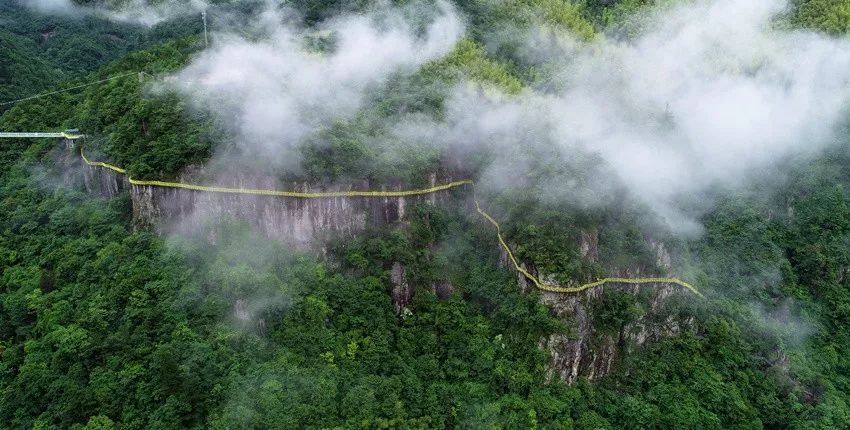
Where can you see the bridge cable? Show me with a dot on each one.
(68, 89)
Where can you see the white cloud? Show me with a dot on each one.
(275, 92)
(49, 6)
(712, 95)
(133, 11)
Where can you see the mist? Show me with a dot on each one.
(274, 93)
(712, 96)
(140, 12)
(709, 96)
(715, 97)
(50, 6)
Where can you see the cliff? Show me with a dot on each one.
(590, 350)
(609, 321)
(293, 220)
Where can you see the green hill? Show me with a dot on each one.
(106, 324)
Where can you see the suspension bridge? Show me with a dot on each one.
(64, 135)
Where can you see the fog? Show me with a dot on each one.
(275, 92)
(707, 95)
(50, 6)
(711, 95)
(131, 11)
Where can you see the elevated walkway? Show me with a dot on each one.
(24, 135)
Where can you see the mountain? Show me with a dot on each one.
(428, 214)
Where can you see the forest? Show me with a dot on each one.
(107, 323)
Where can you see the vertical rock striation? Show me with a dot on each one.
(589, 351)
(297, 221)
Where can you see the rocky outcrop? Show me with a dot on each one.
(402, 293)
(104, 182)
(588, 350)
(297, 221)
(443, 290)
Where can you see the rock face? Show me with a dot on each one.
(297, 221)
(590, 351)
(402, 293)
(104, 182)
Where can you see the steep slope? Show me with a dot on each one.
(420, 323)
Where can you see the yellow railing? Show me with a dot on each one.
(558, 289)
(317, 195)
(296, 194)
(100, 164)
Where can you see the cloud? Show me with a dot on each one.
(274, 93)
(711, 95)
(131, 11)
(145, 13)
(50, 6)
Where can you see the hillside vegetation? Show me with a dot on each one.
(107, 325)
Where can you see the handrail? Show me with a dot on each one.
(404, 193)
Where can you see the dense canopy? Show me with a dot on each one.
(107, 323)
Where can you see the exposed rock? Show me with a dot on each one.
(240, 310)
(589, 245)
(663, 258)
(104, 182)
(298, 221)
(586, 351)
(589, 352)
(443, 290)
(47, 35)
(525, 285)
(402, 292)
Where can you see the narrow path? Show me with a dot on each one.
(404, 193)
(73, 135)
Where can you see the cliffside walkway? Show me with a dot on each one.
(65, 135)
(69, 135)
(404, 193)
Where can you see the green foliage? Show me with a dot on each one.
(542, 243)
(740, 252)
(362, 149)
(614, 310)
(317, 10)
(41, 51)
(19, 61)
(151, 137)
(246, 334)
(561, 14)
(831, 16)
(106, 325)
(470, 59)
